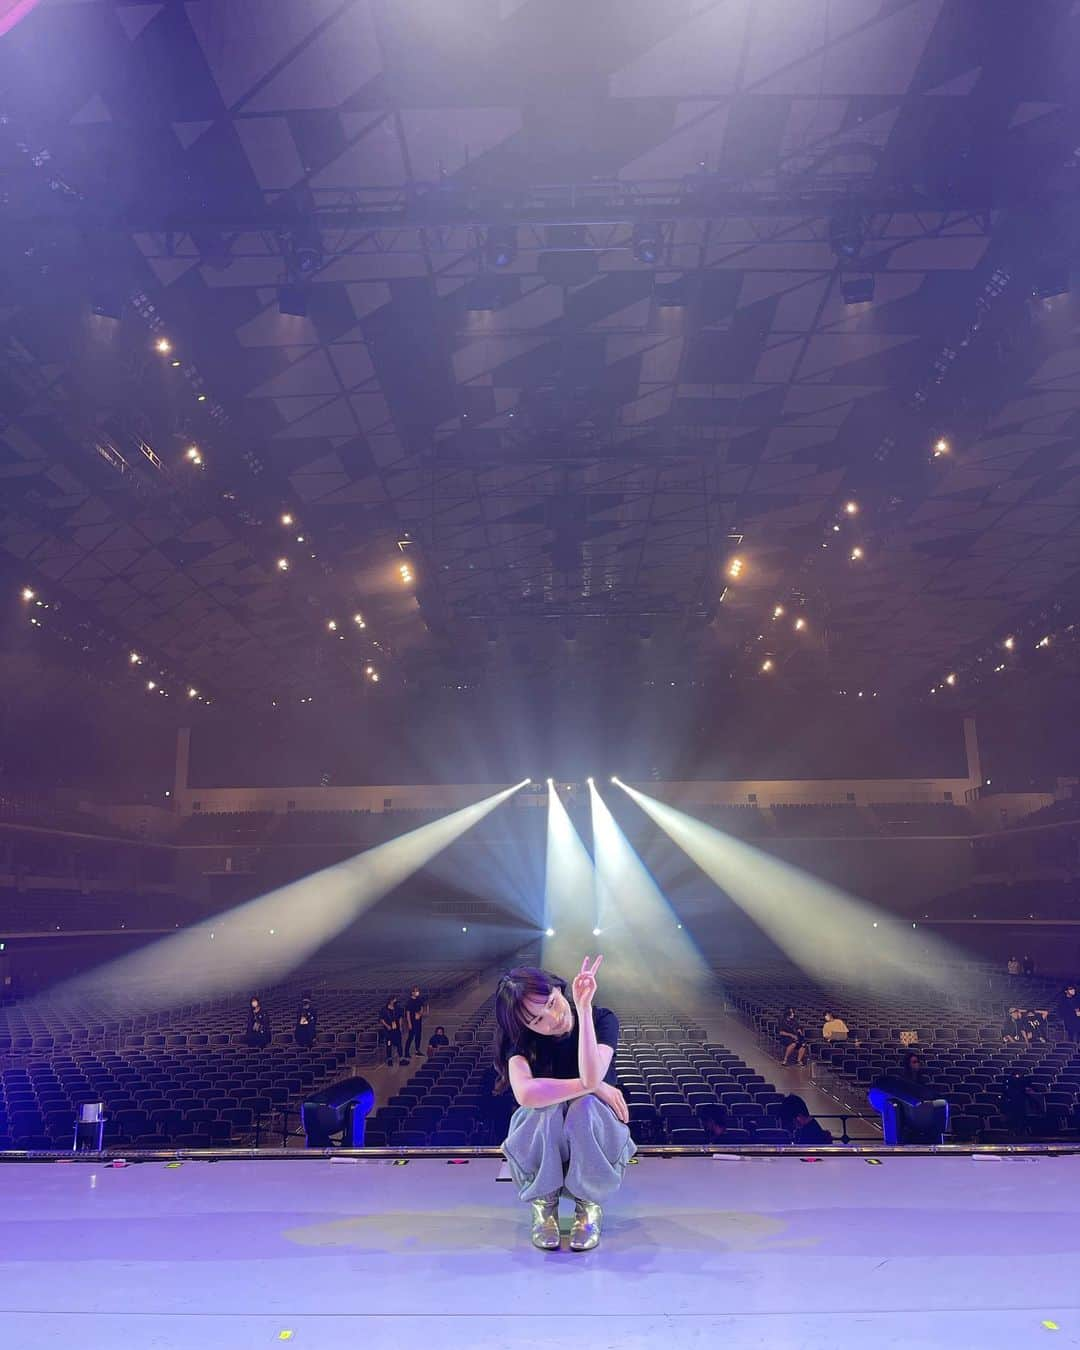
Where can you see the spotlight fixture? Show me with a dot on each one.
(851, 508)
(193, 693)
(767, 665)
(735, 568)
(1052, 279)
(293, 300)
(464, 929)
(500, 245)
(1043, 641)
(589, 781)
(647, 242)
(28, 594)
(549, 932)
(135, 659)
(105, 304)
(332, 625)
(856, 553)
(941, 447)
(163, 345)
(358, 619)
(950, 679)
(283, 564)
(857, 290)
(847, 232)
(287, 519)
(596, 932)
(800, 625)
(194, 456)
(778, 612)
(151, 685)
(1009, 644)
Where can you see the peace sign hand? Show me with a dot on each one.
(584, 986)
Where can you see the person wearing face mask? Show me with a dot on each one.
(306, 1027)
(258, 1025)
(570, 1131)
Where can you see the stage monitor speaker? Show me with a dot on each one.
(341, 1109)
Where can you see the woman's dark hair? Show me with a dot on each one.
(438, 1029)
(791, 1107)
(906, 1058)
(512, 1036)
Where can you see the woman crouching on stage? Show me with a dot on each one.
(569, 1133)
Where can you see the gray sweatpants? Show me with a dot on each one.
(579, 1146)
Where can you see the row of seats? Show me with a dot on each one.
(962, 1048)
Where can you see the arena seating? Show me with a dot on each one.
(45, 911)
(914, 818)
(183, 1077)
(961, 1045)
(665, 1069)
(190, 1081)
(820, 820)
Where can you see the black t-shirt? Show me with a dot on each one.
(415, 1006)
(438, 1040)
(390, 1018)
(557, 1057)
(811, 1133)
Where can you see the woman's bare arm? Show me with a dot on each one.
(533, 1092)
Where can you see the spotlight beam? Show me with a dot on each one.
(568, 891)
(827, 932)
(260, 941)
(650, 952)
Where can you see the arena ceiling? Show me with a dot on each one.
(566, 439)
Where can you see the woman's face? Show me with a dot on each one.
(551, 1016)
(254, 1005)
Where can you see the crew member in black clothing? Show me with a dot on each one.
(437, 1040)
(258, 1026)
(415, 1009)
(793, 1038)
(795, 1114)
(1022, 1105)
(390, 1024)
(1034, 1025)
(1068, 1009)
(307, 1023)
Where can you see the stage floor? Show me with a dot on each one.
(766, 1252)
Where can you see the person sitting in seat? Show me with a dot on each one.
(834, 1028)
(307, 1022)
(437, 1040)
(1034, 1025)
(793, 1038)
(1022, 1105)
(795, 1114)
(1010, 1027)
(258, 1026)
(714, 1121)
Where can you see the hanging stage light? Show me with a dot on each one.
(500, 245)
(647, 242)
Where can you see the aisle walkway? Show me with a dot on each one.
(729, 1031)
